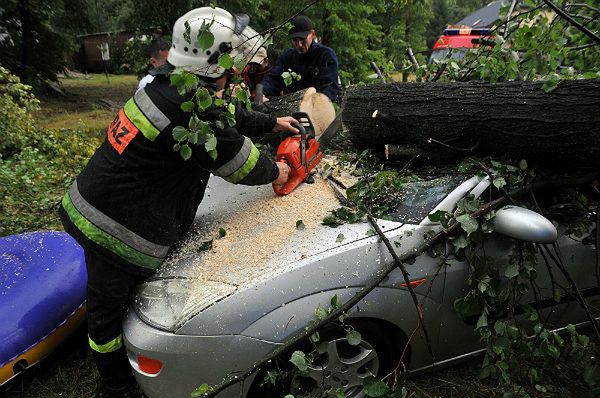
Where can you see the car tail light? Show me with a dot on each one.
(149, 365)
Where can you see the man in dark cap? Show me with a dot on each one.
(316, 64)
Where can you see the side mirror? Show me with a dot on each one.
(523, 224)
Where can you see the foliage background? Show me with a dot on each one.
(37, 35)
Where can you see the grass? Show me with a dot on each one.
(69, 372)
(81, 107)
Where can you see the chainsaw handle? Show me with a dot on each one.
(302, 129)
(285, 134)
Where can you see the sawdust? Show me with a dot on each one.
(341, 171)
(259, 233)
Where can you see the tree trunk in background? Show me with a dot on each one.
(318, 107)
(442, 122)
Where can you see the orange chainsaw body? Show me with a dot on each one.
(301, 153)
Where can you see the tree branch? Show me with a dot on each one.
(573, 22)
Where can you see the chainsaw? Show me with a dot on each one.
(300, 153)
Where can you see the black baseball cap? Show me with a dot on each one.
(301, 27)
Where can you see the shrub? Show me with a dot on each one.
(36, 165)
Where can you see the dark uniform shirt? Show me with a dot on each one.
(318, 68)
(137, 196)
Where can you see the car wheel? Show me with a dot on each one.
(338, 365)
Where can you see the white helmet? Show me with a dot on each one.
(232, 35)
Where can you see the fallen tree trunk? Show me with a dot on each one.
(318, 107)
(443, 122)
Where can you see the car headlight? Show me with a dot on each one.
(168, 303)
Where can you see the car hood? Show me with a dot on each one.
(244, 237)
(243, 234)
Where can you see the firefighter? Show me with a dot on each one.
(137, 196)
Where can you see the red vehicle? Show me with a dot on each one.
(456, 41)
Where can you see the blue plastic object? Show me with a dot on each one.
(42, 285)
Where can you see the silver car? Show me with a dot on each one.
(258, 266)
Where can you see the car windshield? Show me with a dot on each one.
(416, 199)
(445, 53)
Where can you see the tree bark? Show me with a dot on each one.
(443, 122)
(318, 107)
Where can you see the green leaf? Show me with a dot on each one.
(315, 337)
(335, 303)
(220, 124)
(205, 39)
(300, 225)
(187, 106)
(225, 61)
(320, 313)
(502, 365)
(374, 386)
(242, 95)
(443, 217)
(512, 270)
(482, 321)
(460, 242)
(185, 151)
(500, 328)
(211, 143)
(550, 85)
(557, 296)
(183, 81)
(353, 337)
(193, 138)
(213, 154)
(400, 393)
(468, 223)
(231, 109)
(179, 133)
(340, 238)
(203, 99)
(553, 351)
(499, 182)
(299, 360)
(523, 164)
(289, 396)
(187, 31)
(195, 123)
(222, 232)
(339, 393)
(201, 390)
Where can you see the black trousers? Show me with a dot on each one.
(108, 291)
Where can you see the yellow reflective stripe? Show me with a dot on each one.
(246, 168)
(106, 240)
(133, 113)
(111, 346)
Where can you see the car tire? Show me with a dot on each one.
(336, 363)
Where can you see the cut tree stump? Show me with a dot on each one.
(317, 105)
(443, 122)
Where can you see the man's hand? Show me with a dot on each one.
(284, 173)
(285, 124)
